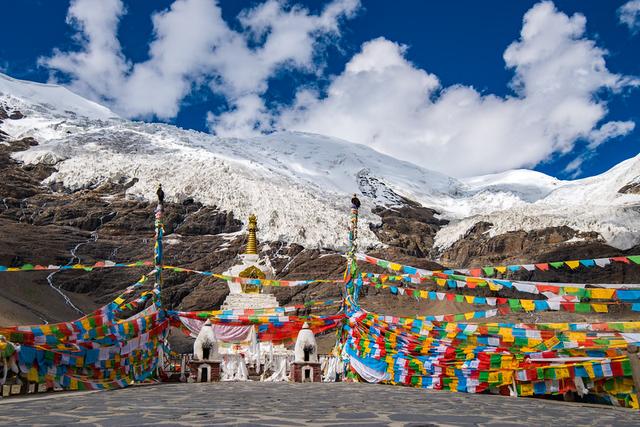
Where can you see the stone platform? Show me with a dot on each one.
(243, 301)
(287, 404)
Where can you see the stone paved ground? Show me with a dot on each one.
(276, 404)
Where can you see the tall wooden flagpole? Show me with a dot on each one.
(351, 274)
(158, 250)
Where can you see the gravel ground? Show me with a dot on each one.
(286, 404)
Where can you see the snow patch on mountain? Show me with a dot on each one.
(49, 99)
(529, 200)
(300, 184)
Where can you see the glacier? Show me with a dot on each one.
(299, 184)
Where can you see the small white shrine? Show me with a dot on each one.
(206, 358)
(306, 349)
(306, 366)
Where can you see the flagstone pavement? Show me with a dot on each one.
(285, 404)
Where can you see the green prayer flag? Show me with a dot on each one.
(583, 307)
(514, 304)
(496, 361)
(489, 271)
(634, 258)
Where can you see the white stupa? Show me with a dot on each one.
(262, 357)
(250, 266)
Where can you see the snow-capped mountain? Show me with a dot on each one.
(299, 184)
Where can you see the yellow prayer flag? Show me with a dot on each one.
(602, 293)
(505, 361)
(506, 335)
(600, 308)
(589, 368)
(526, 389)
(562, 373)
(559, 326)
(634, 401)
(572, 264)
(550, 343)
(494, 287)
(501, 269)
(575, 336)
(528, 305)
(395, 267)
(32, 375)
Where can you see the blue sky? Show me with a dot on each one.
(427, 82)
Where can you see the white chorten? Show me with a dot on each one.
(262, 357)
(306, 349)
(250, 266)
(205, 347)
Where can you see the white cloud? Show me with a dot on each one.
(609, 131)
(192, 45)
(248, 116)
(291, 40)
(384, 101)
(596, 138)
(629, 15)
(97, 69)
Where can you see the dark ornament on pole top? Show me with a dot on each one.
(355, 202)
(160, 194)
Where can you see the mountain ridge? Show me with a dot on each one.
(287, 178)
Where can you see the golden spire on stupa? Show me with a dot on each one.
(252, 243)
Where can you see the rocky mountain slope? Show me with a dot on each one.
(76, 183)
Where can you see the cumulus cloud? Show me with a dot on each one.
(192, 45)
(96, 70)
(629, 15)
(291, 41)
(383, 100)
